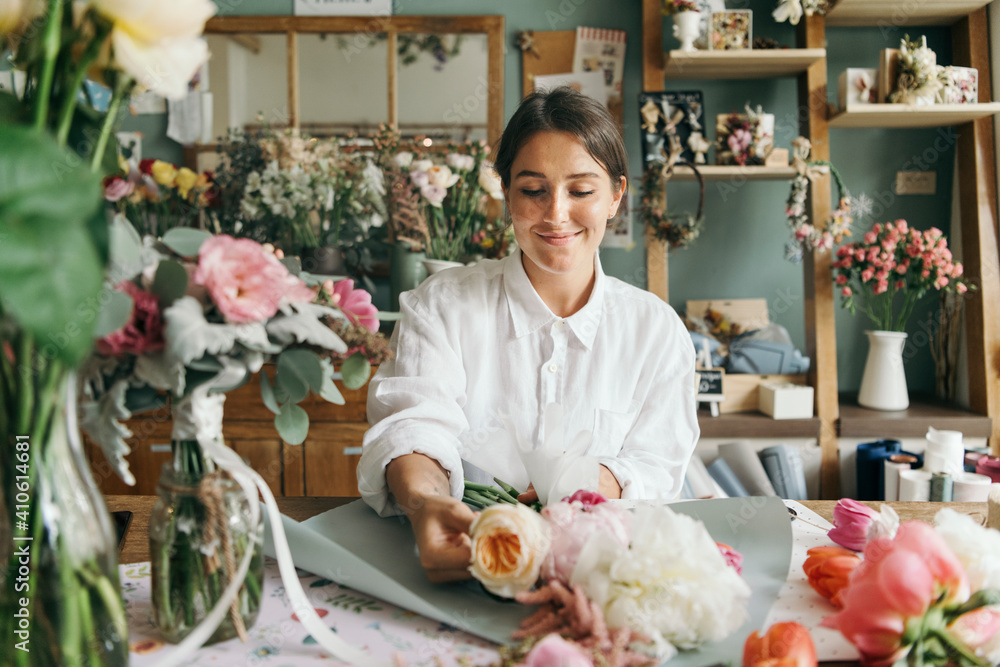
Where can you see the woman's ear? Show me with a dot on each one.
(618, 198)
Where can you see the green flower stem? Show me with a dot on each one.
(87, 629)
(70, 633)
(122, 84)
(485, 488)
(50, 47)
(954, 646)
(69, 95)
(109, 596)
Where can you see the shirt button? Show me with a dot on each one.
(553, 368)
(560, 324)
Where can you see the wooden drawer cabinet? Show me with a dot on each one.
(324, 465)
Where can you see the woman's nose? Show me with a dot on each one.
(558, 208)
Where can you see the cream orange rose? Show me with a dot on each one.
(509, 544)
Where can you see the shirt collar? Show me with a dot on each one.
(529, 313)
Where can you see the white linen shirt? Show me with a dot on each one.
(477, 351)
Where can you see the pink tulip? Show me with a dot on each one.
(899, 579)
(554, 651)
(978, 628)
(851, 520)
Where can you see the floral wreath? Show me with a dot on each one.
(678, 230)
(806, 236)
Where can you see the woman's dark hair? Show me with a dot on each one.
(564, 110)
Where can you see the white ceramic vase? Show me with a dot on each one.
(883, 385)
(687, 28)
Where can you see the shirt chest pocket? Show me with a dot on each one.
(610, 429)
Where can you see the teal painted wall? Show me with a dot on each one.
(740, 252)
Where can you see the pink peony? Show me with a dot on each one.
(899, 580)
(144, 330)
(572, 526)
(554, 651)
(246, 283)
(851, 521)
(356, 304)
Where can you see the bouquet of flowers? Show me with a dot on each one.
(792, 10)
(891, 260)
(675, 6)
(203, 313)
(919, 594)
(156, 196)
(54, 246)
(441, 203)
(611, 579)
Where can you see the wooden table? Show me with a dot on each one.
(136, 548)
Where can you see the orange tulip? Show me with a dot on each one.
(783, 645)
(829, 569)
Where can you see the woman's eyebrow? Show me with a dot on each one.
(534, 174)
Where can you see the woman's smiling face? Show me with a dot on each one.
(560, 199)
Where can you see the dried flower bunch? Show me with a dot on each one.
(792, 10)
(918, 73)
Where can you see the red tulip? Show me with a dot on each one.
(829, 570)
(783, 645)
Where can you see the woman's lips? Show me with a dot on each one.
(559, 239)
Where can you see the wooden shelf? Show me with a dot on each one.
(755, 425)
(718, 172)
(894, 13)
(742, 64)
(858, 422)
(908, 115)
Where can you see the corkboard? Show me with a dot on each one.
(554, 49)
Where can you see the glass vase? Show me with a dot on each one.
(60, 599)
(199, 532)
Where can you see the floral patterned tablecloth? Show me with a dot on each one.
(277, 639)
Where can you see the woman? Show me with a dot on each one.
(484, 349)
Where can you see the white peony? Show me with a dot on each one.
(434, 194)
(671, 582)
(158, 43)
(403, 159)
(460, 162)
(441, 176)
(421, 165)
(975, 545)
(509, 544)
(489, 180)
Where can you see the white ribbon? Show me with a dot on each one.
(208, 432)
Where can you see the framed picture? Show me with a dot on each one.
(678, 112)
(732, 30)
(961, 86)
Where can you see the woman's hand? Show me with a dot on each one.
(440, 523)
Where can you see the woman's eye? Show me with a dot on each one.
(583, 194)
(532, 193)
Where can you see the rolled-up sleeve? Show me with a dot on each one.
(414, 403)
(655, 454)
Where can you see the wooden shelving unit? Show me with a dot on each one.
(859, 422)
(977, 192)
(715, 172)
(742, 64)
(907, 115)
(894, 13)
(755, 425)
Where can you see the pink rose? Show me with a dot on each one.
(144, 330)
(846, 291)
(962, 289)
(572, 526)
(841, 279)
(851, 521)
(898, 580)
(554, 651)
(586, 498)
(356, 304)
(246, 283)
(116, 187)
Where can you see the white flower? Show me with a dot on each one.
(420, 178)
(441, 176)
(885, 525)
(509, 543)
(790, 10)
(403, 159)
(158, 43)
(460, 162)
(421, 165)
(489, 180)
(670, 582)
(434, 194)
(976, 546)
